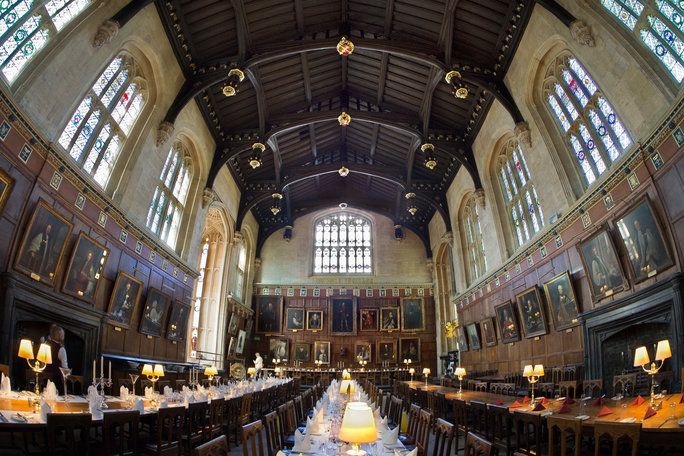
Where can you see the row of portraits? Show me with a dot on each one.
(343, 317)
(381, 351)
(39, 256)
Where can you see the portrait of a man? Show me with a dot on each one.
(43, 244)
(643, 241)
(462, 339)
(508, 323)
(473, 336)
(295, 319)
(409, 348)
(412, 314)
(562, 302)
(278, 349)
(153, 312)
(269, 314)
(178, 322)
(369, 319)
(343, 316)
(602, 265)
(389, 318)
(387, 351)
(86, 265)
(532, 312)
(240, 346)
(302, 352)
(362, 351)
(488, 332)
(322, 351)
(124, 299)
(314, 320)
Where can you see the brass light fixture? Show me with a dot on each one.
(412, 207)
(344, 171)
(345, 47)
(460, 90)
(430, 157)
(275, 205)
(235, 77)
(344, 119)
(255, 156)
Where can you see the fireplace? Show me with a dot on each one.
(613, 331)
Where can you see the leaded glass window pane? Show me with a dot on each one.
(343, 244)
(473, 242)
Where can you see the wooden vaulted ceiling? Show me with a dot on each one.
(297, 84)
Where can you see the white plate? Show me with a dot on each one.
(628, 420)
(681, 422)
(582, 417)
(560, 399)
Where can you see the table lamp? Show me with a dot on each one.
(426, 372)
(460, 373)
(42, 359)
(411, 372)
(153, 375)
(642, 359)
(346, 375)
(533, 374)
(211, 372)
(347, 387)
(407, 361)
(358, 426)
(251, 371)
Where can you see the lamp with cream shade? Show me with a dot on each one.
(358, 426)
(210, 372)
(251, 371)
(533, 373)
(460, 373)
(42, 358)
(642, 359)
(426, 373)
(153, 374)
(411, 372)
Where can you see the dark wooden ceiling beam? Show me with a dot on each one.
(389, 16)
(446, 32)
(411, 157)
(242, 28)
(463, 152)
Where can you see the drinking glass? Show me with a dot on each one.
(65, 373)
(134, 378)
(673, 404)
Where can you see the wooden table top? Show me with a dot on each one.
(625, 408)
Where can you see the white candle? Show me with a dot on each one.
(101, 366)
(110, 371)
(94, 372)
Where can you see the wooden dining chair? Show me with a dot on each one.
(479, 418)
(395, 410)
(195, 429)
(166, 439)
(215, 420)
(528, 430)
(480, 387)
(499, 431)
(75, 427)
(461, 421)
(288, 423)
(299, 411)
(123, 382)
(120, 432)
(616, 434)
(443, 438)
(75, 384)
(409, 438)
(423, 431)
(569, 430)
(245, 409)
(568, 388)
(231, 421)
(253, 439)
(270, 423)
(476, 446)
(592, 387)
(624, 384)
(215, 447)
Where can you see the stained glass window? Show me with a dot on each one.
(472, 239)
(98, 128)
(659, 25)
(166, 209)
(343, 244)
(590, 125)
(519, 192)
(27, 25)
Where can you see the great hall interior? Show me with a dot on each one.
(399, 227)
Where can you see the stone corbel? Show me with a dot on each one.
(448, 238)
(105, 33)
(480, 198)
(581, 33)
(430, 265)
(208, 197)
(257, 264)
(523, 134)
(164, 133)
(238, 238)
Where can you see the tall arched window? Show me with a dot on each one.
(241, 271)
(520, 195)
(166, 210)
(343, 244)
(659, 25)
(590, 125)
(98, 128)
(199, 292)
(27, 25)
(476, 263)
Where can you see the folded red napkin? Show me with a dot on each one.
(681, 401)
(605, 411)
(569, 401)
(515, 404)
(526, 400)
(499, 402)
(564, 409)
(539, 407)
(649, 413)
(600, 402)
(544, 400)
(638, 401)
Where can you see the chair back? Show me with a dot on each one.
(217, 408)
(479, 418)
(396, 407)
(124, 382)
(196, 422)
(568, 388)
(76, 429)
(546, 389)
(288, 421)
(592, 387)
(170, 422)
(423, 431)
(528, 428)
(216, 447)
(460, 418)
(253, 439)
(246, 409)
(120, 432)
(616, 433)
(444, 436)
(568, 429)
(273, 442)
(480, 387)
(476, 446)
(624, 384)
(413, 413)
(299, 410)
(499, 429)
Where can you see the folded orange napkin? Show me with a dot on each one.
(564, 409)
(539, 407)
(515, 404)
(526, 400)
(569, 401)
(600, 402)
(605, 411)
(544, 400)
(638, 401)
(649, 413)
(681, 401)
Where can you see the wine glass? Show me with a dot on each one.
(65, 373)
(134, 378)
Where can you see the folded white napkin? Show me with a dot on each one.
(311, 427)
(139, 406)
(168, 391)
(50, 391)
(413, 452)
(123, 392)
(383, 423)
(376, 412)
(200, 397)
(389, 437)
(280, 453)
(95, 409)
(92, 392)
(44, 409)
(163, 404)
(149, 392)
(5, 386)
(302, 443)
(320, 417)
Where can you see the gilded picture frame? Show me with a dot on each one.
(6, 185)
(342, 316)
(412, 314)
(269, 315)
(84, 269)
(532, 314)
(124, 300)
(563, 306)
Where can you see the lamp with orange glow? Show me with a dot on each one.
(358, 426)
(642, 359)
(42, 359)
(533, 374)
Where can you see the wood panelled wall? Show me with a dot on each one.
(32, 182)
(428, 344)
(664, 187)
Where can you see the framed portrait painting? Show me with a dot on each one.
(389, 319)
(153, 313)
(412, 314)
(85, 268)
(269, 314)
(473, 336)
(488, 332)
(302, 352)
(533, 318)
(6, 184)
(43, 244)
(314, 320)
(294, 319)
(362, 351)
(462, 339)
(369, 320)
(322, 351)
(231, 346)
(387, 351)
(278, 349)
(124, 300)
(644, 241)
(602, 265)
(508, 323)
(563, 308)
(233, 324)
(240, 346)
(178, 322)
(409, 348)
(342, 319)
